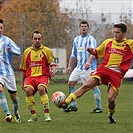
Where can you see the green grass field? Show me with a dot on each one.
(81, 121)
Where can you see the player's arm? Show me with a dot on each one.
(91, 51)
(14, 48)
(23, 79)
(52, 69)
(69, 68)
(88, 63)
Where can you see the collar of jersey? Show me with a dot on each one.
(33, 48)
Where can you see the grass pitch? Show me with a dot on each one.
(81, 121)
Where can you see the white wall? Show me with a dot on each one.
(60, 59)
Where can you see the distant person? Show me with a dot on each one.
(85, 65)
(7, 78)
(117, 53)
(37, 69)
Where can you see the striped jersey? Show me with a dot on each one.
(117, 55)
(80, 44)
(6, 55)
(37, 62)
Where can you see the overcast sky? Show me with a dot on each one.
(99, 6)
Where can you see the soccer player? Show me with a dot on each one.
(117, 53)
(37, 68)
(7, 48)
(85, 65)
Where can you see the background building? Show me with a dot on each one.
(110, 11)
(60, 59)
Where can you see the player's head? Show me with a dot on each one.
(84, 27)
(120, 31)
(122, 26)
(84, 22)
(37, 38)
(1, 26)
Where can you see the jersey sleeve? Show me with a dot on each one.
(92, 42)
(23, 66)
(74, 49)
(100, 50)
(131, 44)
(49, 55)
(14, 48)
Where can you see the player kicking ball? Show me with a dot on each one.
(117, 53)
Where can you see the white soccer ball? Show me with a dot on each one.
(58, 97)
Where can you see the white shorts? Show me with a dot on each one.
(9, 82)
(80, 75)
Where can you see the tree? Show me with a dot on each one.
(23, 17)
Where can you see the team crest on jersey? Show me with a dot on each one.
(41, 55)
(80, 49)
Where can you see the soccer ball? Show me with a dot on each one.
(58, 97)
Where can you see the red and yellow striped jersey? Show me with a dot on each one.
(117, 55)
(37, 62)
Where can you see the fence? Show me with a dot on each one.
(59, 29)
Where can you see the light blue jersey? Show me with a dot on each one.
(6, 56)
(81, 43)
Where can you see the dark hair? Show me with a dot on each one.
(1, 21)
(122, 26)
(37, 32)
(84, 22)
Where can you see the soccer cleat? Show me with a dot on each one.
(111, 120)
(97, 111)
(70, 109)
(47, 118)
(62, 105)
(8, 118)
(17, 118)
(32, 119)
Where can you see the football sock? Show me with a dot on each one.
(97, 97)
(31, 104)
(45, 103)
(15, 105)
(3, 103)
(70, 98)
(72, 89)
(111, 112)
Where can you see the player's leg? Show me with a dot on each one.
(42, 89)
(97, 94)
(10, 84)
(73, 79)
(97, 98)
(91, 82)
(3, 101)
(30, 103)
(30, 91)
(4, 105)
(15, 104)
(73, 106)
(112, 94)
(45, 102)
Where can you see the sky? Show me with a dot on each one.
(113, 7)
(99, 6)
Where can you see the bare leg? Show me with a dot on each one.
(91, 82)
(112, 94)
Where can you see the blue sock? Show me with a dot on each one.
(3, 103)
(15, 106)
(72, 89)
(97, 97)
